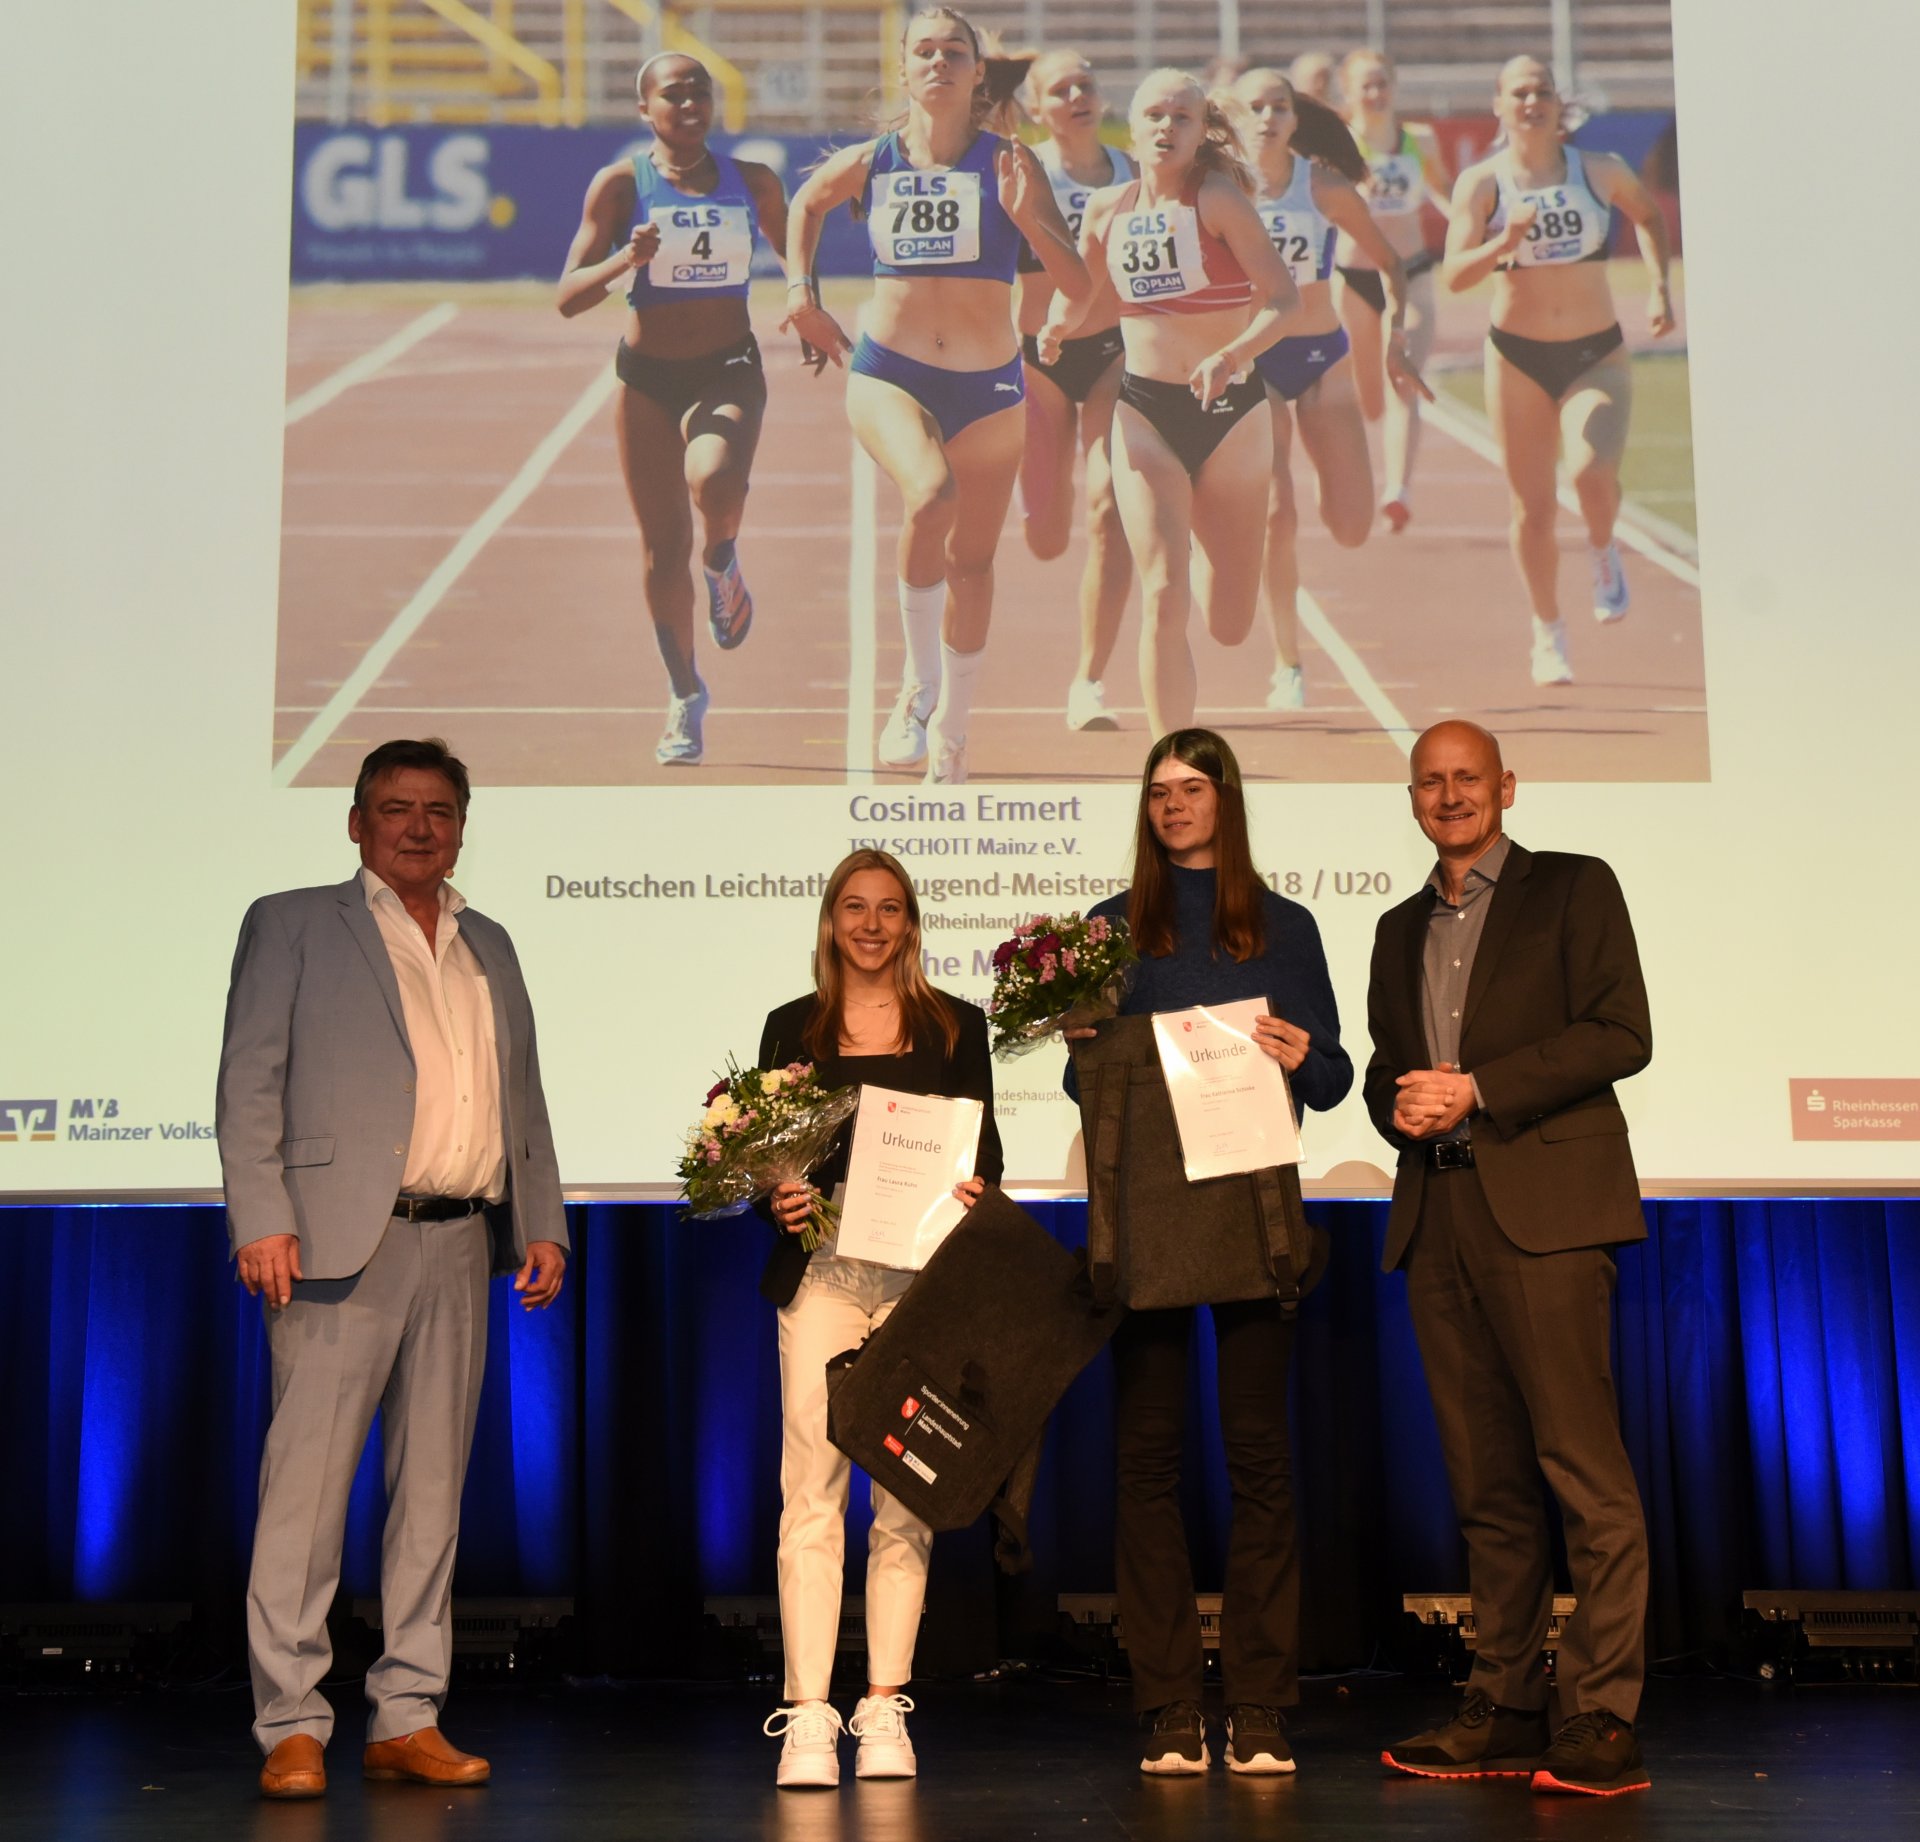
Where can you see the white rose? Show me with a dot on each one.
(773, 1080)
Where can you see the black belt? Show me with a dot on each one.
(436, 1208)
(1450, 1154)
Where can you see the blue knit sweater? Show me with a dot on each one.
(1290, 973)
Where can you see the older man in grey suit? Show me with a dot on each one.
(385, 1146)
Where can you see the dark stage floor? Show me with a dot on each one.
(999, 1761)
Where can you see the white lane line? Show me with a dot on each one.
(451, 567)
(1366, 687)
(369, 364)
(863, 564)
(1653, 536)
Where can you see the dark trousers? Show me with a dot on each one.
(1260, 1616)
(1519, 1359)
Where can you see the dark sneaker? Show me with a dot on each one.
(1595, 1754)
(1176, 1742)
(1481, 1741)
(1257, 1739)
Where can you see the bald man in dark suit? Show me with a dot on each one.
(1505, 1001)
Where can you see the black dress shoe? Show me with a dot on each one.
(1481, 1741)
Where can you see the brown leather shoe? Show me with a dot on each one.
(297, 1767)
(426, 1757)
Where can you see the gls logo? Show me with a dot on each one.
(359, 182)
(33, 1120)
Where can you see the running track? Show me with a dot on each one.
(458, 557)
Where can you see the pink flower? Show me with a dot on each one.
(1097, 928)
(1070, 959)
(1046, 973)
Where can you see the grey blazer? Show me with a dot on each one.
(315, 1104)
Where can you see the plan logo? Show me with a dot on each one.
(32, 1120)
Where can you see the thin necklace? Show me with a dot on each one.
(678, 173)
(882, 1004)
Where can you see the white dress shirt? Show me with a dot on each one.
(458, 1147)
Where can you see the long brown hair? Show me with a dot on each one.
(995, 97)
(1237, 888)
(1318, 131)
(924, 1015)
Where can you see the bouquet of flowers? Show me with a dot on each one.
(763, 1127)
(1057, 972)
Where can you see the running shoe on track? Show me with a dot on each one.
(1397, 509)
(1595, 1755)
(903, 743)
(1288, 691)
(729, 606)
(809, 1752)
(1550, 662)
(1087, 705)
(1611, 596)
(1257, 1740)
(946, 761)
(1480, 1741)
(1176, 1742)
(880, 1725)
(681, 744)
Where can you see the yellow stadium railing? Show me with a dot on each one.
(674, 36)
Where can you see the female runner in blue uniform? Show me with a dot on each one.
(1536, 215)
(681, 219)
(1405, 169)
(1201, 292)
(936, 395)
(1070, 404)
(1309, 168)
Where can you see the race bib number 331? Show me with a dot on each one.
(1155, 253)
(926, 219)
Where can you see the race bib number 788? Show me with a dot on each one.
(926, 219)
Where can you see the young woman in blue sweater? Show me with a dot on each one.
(1210, 931)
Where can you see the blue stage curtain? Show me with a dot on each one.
(1768, 1361)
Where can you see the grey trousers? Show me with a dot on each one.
(407, 1334)
(1519, 1358)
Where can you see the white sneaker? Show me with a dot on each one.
(810, 1753)
(681, 743)
(1288, 691)
(1550, 662)
(1611, 596)
(903, 743)
(1087, 705)
(946, 761)
(880, 1725)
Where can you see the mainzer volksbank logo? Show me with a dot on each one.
(32, 1121)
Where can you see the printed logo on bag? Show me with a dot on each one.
(908, 1408)
(894, 1446)
(893, 1106)
(1188, 1026)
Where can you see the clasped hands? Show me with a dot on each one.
(1431, 1100)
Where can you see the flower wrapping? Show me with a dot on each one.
(763, 1127)
(1057, 972)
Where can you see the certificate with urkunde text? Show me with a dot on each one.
(1230, 1098)
(909, 1150)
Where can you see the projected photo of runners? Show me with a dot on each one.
(575, 469)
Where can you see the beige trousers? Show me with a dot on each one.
(840, 1302)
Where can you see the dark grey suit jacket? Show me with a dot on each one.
(315, 1105)
(1556, 1012)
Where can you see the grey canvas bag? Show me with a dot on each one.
(1154, 1238)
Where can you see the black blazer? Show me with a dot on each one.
(966, 1074)
(1556, 1012)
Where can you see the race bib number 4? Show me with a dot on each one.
(926, 220)
(1152, 254)
(702, 246)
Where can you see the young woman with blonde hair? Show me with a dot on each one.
(936, 395)
(1405, 169)
(1200, 293)
(1309, 168)
(871, 1017)
(1070, 401)
(1536, 215)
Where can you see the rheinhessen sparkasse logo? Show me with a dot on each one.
(32, 1120)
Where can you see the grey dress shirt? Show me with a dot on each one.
(1446, 959)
